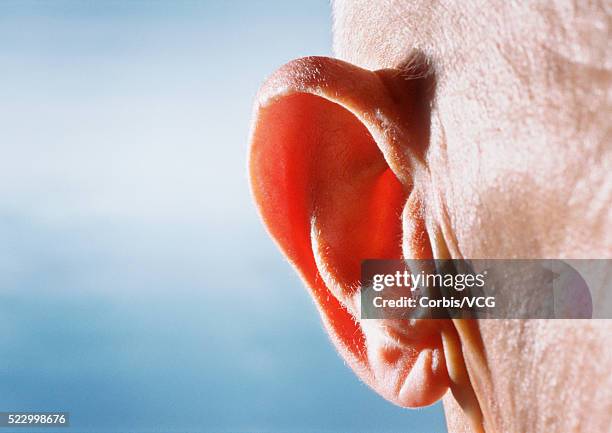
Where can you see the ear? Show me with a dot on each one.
(336, 159)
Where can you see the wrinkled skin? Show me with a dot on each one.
(521, 158)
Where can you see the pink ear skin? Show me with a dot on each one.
(331, 183)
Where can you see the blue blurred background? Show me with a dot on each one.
(138, 290)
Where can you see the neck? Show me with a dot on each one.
(539, 375)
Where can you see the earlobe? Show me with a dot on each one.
(334, 155)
